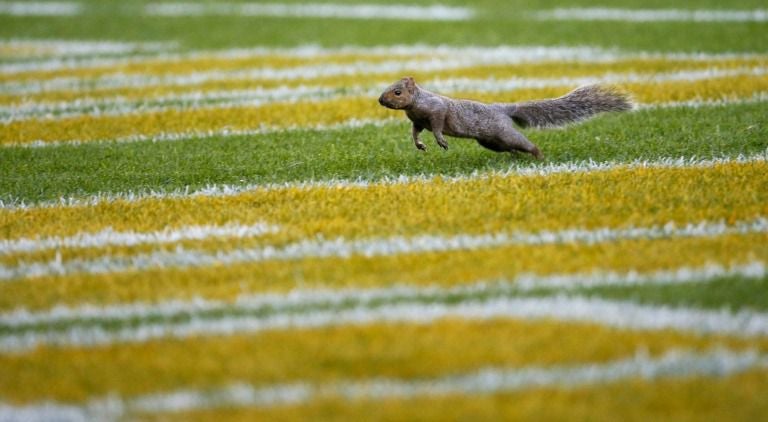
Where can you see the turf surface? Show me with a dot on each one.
(628, 292)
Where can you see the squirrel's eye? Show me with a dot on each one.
(398, 92)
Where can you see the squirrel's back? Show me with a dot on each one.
(575, 106)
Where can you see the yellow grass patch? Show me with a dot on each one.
(735, 397)
(616, 198)
(433, 268)
(397, 350)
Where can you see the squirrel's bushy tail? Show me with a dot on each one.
(580, 104)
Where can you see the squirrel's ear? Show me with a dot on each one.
(410, 83)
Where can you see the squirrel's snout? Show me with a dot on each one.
(381, 99)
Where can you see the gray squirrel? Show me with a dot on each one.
(491, 124)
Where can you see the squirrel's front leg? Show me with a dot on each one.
(415, 133)
(437, 130)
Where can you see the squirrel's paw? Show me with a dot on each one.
(443, 144)
(421, 146)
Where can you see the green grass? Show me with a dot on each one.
(734, 293)
(497, 23)
(38, 174)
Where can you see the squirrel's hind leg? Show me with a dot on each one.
(511, 140)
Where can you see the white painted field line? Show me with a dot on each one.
(311, 71)
(653, 15)
(116, 106)
(195, 100)
(571, 309)
(526, 54)
(682, 275)
(674, 363)
(500, 54)
(48, 48)
(387, 246)
(111, 237)
(313, 10)
(432, 62)
(22, 318)
(514, 170)
(40, 8)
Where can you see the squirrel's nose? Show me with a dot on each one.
(381, 100)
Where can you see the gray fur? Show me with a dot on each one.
(491, 124)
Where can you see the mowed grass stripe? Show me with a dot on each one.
(177, 84)
(289, 114)
(717, 396)
(400, 350)
(619, 197)
(371, 247)
(455, 268)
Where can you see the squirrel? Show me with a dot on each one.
(491, 124)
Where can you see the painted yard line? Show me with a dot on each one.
(485, 380)
(491, 73)
(298, 299)
(683, 275)
(340, 247)
(501, 54)
(258, 97)
(116, 106)
(110, 237)
(653, 15)
(435, 12)
(40, 8)
(35, 48)
(516, 170)
(757, 97)
(618, 314)
(510, 54)
(440, 59)
(265, 73)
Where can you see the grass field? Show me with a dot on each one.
(204, 213)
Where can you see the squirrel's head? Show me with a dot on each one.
(399, 95)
